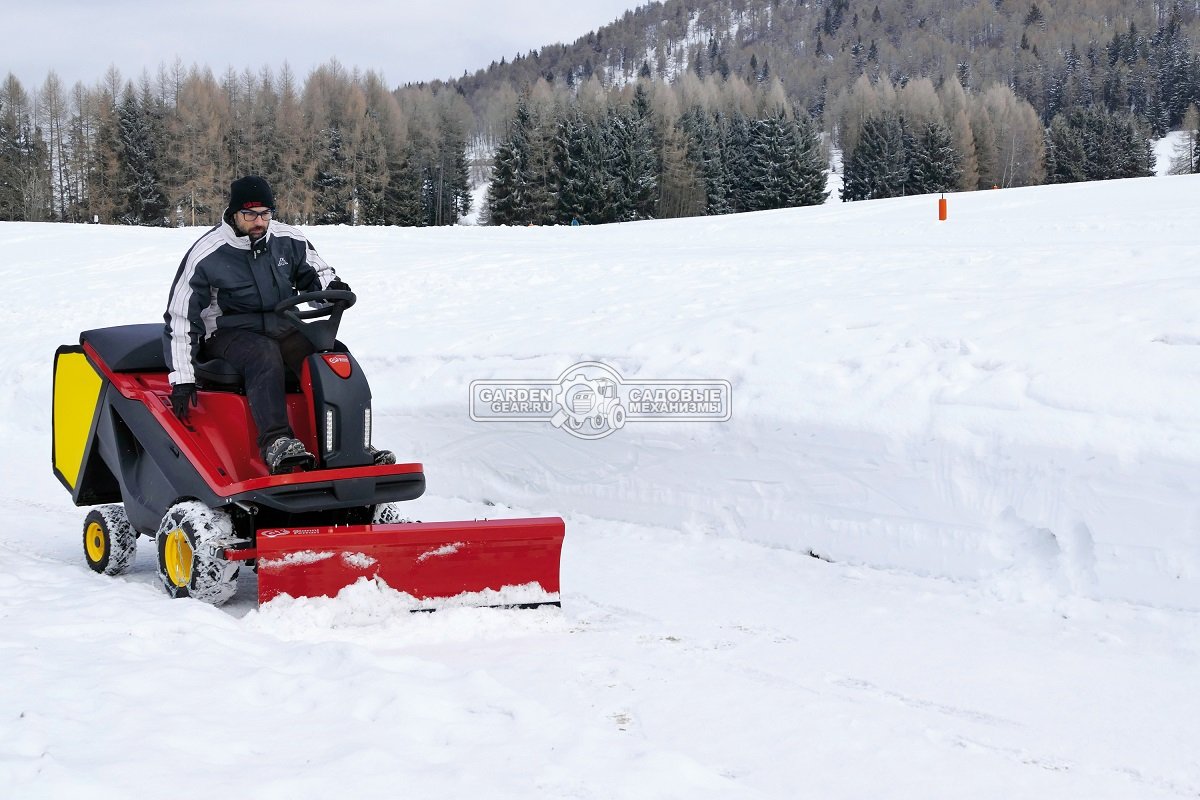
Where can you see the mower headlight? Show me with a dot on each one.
(367, 429)
(329, 430)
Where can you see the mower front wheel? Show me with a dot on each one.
(389, 514)
(109, 541)
(191, 553)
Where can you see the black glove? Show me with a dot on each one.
(338, 285)
(181, 395)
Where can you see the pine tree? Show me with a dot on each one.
(878, 165)
(371, 173)
(10, 158)
(637, 159)
(619, 207)
(333, 182)
(540, 180)
(403, 193)
(809, 181)
(514, 197)
(702, 134)
(579, 167)
(773, 149)
(1096, 145)
(567, 163)
(933, 163)
(505, 202)
(737, 158)
(141, 199)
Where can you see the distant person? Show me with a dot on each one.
(222, 306)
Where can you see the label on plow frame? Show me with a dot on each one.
(273, 533)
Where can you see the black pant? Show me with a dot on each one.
(262, 361)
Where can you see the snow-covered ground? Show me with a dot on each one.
(1169, 148)
(987, 429)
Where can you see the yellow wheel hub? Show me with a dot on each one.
(177, 553)
(95, 539)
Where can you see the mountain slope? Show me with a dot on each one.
(1053, 55)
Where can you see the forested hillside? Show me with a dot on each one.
(1135, 56)
(919, 96)
(339, 148)
(679, 108)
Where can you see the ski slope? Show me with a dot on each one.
(947, 546)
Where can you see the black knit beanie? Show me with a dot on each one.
(250, 192)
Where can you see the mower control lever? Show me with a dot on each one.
(319, 325)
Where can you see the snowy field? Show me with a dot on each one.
(987, 430)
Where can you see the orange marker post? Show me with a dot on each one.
(942, 209)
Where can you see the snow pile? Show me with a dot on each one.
(371, 611)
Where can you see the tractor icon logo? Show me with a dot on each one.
(589, 402)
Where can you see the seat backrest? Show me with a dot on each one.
(129, 348)
(217, 374)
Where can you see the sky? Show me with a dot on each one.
(404, 41)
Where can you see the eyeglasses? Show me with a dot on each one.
(250, 214)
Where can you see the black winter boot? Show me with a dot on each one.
(382, 456)
(285, 454)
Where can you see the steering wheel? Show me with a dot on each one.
(337, 299)
(318, 325)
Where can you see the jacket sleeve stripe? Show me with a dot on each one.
(184, 334)
(325, 273)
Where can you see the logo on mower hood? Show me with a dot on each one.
(339, 363)
(591, 400)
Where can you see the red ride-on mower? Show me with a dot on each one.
(201, 490)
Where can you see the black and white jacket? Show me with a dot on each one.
(226, 282)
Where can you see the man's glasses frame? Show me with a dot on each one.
(250, 214)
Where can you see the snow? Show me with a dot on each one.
(1165, 149)
(297, 558)
(359, 560)
(445, 550)
(947, 546)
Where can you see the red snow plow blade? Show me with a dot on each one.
(517, 558)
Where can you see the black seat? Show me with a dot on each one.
(139, 348)
(129, 348)
(217, 374)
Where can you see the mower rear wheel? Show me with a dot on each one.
(191, 553)
(109, 541)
